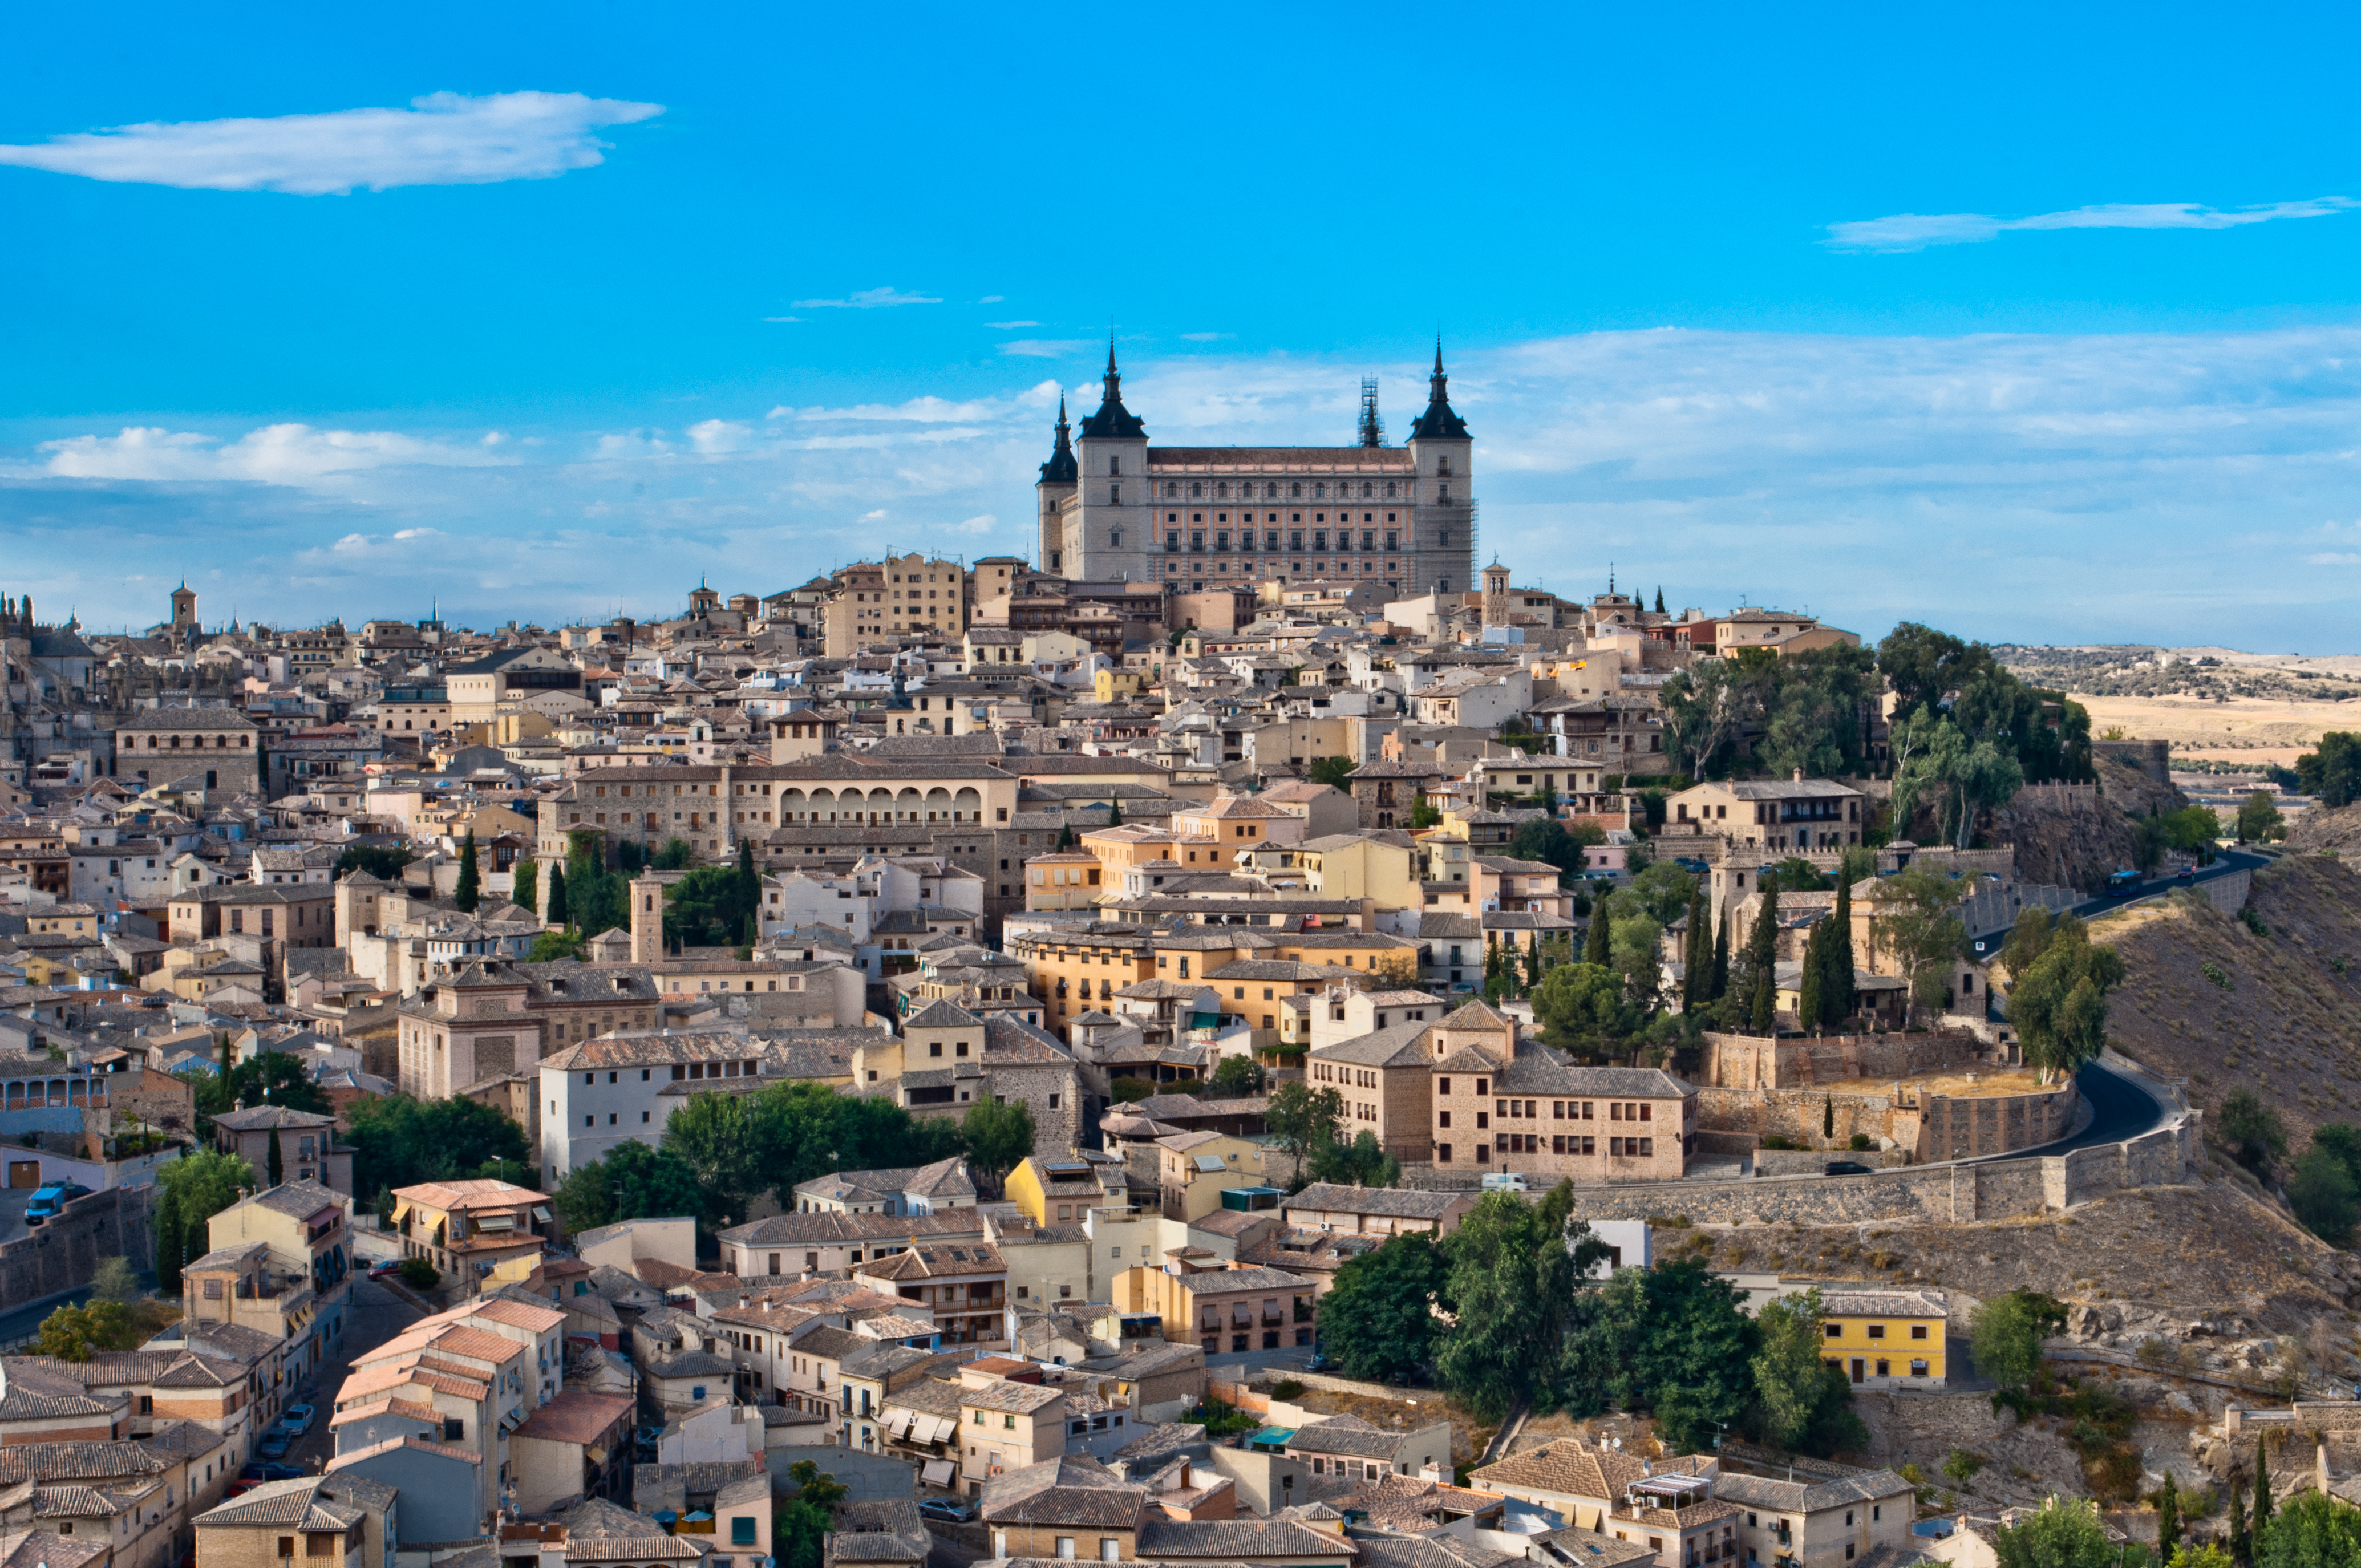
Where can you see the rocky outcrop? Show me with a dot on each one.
(2339, 830)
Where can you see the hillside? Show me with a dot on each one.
(2339, 830)
(2072, 839)
(2284, 1018)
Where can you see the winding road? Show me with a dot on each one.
(2231, 861)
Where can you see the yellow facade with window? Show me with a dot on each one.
(1886, 1339)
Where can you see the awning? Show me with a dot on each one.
(936, 1473)
(937, 1429)
(542, 1214)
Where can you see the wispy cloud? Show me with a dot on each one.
(1205, 336)
(992, 299)
(294, 454)
(1916, 231)
(1048, 348)
(782, 318)
(984, 524)
(442, 138)
(1009, 326)
(869, 300)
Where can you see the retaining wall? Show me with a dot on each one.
(63, 1253)
(1756, 1061)
(1808, 1162)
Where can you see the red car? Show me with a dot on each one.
(379, 1270)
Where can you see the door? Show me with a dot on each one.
(1859, 1368)
(24, 1173)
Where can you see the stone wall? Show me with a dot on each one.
(1809, 1162)
(64, 1252)
(1753, 1061)
(1967, 1126)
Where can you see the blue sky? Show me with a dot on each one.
(2036, 328)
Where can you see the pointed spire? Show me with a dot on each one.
(1439, 422)
(1061, 468)
(1113, 420)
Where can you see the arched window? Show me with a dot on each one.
(1367, 490)
(1295, 490)
(1196, 489)
(1389, 490)
(1221, 491)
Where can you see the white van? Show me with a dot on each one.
(1506, 1181)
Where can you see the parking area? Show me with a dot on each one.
(376, 1315)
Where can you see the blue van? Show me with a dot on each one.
(52, 1200)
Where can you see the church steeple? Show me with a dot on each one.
(1439, 422)
(1113, 420)
(1060, 469)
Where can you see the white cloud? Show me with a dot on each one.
(984, 524)
(1009, 326)
(633, 443)
(782, 318)
(294, 454)
(1915, 231)
(920, 410)
(715, 436)
(1048, 348)
(877, 516)
(868, 299)
(1205, 336)
(441, 138)
(992, 299)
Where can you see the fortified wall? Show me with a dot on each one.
(1758, 1062)
(63, 1253)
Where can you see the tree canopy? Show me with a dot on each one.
(1914, 916)
(2006, 1333)
(381, 862)
(191, 1190)
(2058, 1000)
(2065, 1534)
(1333, 771)
(632, 1181)
(1378, 1320)
(2332, 771)
(401, 1141)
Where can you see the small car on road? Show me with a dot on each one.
(48, 1201)
(943, 1510)
(297, 1420)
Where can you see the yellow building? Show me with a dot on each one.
(1109, 686)
(1220, 1308)
(1886, 1339)
(1194, 1170)
(1061, 1190)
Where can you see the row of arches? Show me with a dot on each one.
(883, 804)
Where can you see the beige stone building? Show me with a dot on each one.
(1790, 815)
(167, 745)
(1219, 1308)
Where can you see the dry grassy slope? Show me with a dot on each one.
(2339, 830)
(2287, 1026)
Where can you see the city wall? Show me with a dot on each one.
(63, 1253)
(1930, 1126)
(1759, 1062)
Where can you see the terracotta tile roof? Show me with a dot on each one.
(422, 1444)
(447, 1196)
(295, 1504)
(576, 1416)
(26, 1549)
(391, 1405)
(76, 1462)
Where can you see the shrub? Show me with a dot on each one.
(419, 1274)
(2217, 974)
(2253, 922)
(1287, 1389)
(2251, 1129)
(1860, 1141)
(1776, 1141)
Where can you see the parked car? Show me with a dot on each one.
(269, 1470)
(2185, 874)
(274, 1444)
(1844, 1167)
(297, 1420)
(49, 1200)
(379, 1270)
(946, 1511)
(1319, 1362)
(1506, 1181)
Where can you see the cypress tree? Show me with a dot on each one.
(1597, 950)
(2241, 1548)
(1813, 1003)
(1697, 981)
(1828, 1116)
(1762, 959)
(557, 916)
(1114, 814)
(169, 1240)
(1838, 986)
(1660, 598)
(272, 1168)
(470, 890)
(749, 885)
(2262, 1514)
(527, 895)
(1719, 986)
(1533, 963)
(2168, 1519)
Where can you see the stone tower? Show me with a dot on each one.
(184, 608)
(1442, 448)
(647, 919)
(1496, 593)
(1057, 482)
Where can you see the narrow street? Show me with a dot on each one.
(378, 1314)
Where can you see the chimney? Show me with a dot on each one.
(1799, 775)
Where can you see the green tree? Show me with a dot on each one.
(632, 1181)
(1636, 953)
(1696, 955)
(558, 913)
(1914, 916)
(399, 1141)
(1703, 707)
(2241, 1545)
(470, 891)
(2253, 1130)
(2207, 1555)
(1582, 1008)
(1923, 665)
(1760, 980)
(1363, 1162)
(527, 883)
(804, 1521)
(2167, 1517)
(1718, 986)
(2259, 819)
(2332, 771)
(75, 1334)
(1378, 1320)
(2261, 1516)
(552, 947)
(1806, 1405)
(2005, 1335)
(1510, 1282)
(676, 855)
(1836, 979)
(381, 862)
(708, 907)
(194, 1189)
(1552, 842)
(1301, 1118)
(2343, 1140)
(2027, 939)
(2058, 1002)
(419, 1274)
(2312, 1531)
(1234, 1077)
(116, 1281)
(1596, 948)
(2065, 1534)
(999, 1136)
(274, 1163)
(715, 1135)
(1671, 1340)
(2322, 1193)
(1336, 772)
(1812, 1003)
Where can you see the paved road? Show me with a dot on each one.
(376, 1315)
(2230, 861)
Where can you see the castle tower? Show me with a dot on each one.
(1496, 593)
(1056, 483)
(1440, 447)
(1110, 529)
(647, 920)
(184, 608)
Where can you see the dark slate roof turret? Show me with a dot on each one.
(1060, 469)
(1114, 420)
(1438, 423)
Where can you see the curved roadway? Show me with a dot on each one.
(1988, 942)
(2120, 1109)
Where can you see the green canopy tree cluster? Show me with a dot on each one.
(2059, 981)
(1967, 734)
(1810, 711)
(585, 895)
(1610, 1001)
(401, 1141)
(2332, 771)
(191, 1190)
(2323, 1188)
(1514, 1306)
(1914, 917)
(715, 907)
(381, 862)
